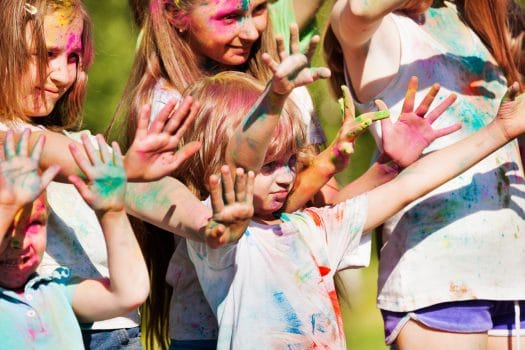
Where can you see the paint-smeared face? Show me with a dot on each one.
(23, 246)
(272, 186)
(63, 36)
(225, 30)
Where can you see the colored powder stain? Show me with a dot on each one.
(317, 326)
(245, 5)
(293, 323)
(324, 270)
(316, 218)
(108, 186)
(71, 40)
(146, 194)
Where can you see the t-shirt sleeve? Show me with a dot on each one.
(342, 225)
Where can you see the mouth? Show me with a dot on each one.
(280, 196)
(19, 263)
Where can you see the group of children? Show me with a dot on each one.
(222, 149)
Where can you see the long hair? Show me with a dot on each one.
(226, 99)
(18, 17)
(164, 53)
(500, 25)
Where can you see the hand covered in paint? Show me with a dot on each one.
(404, 140)
(352, 127)
(104, 186)
(510, 114)
(153, 153)
(20, 182)
(232, 206)
(294, 69)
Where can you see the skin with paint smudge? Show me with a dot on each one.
(272, 186)
(63, 33)
(224, 31)
(23, 245)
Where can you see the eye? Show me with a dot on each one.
(260, 9)
(292, 162)
(268, 168)
(73, 58)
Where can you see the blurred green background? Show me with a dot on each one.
(115, 39)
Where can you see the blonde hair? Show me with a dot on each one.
(499, 24)
(15, 19)
(164, 53)
(226, 99)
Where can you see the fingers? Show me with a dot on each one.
(294, 39)
(180, 115)
(36, 152)
(48, 175)
(250, 181)
(320, 73)
(90, 150)
(217, 203)
(427, 101)
(9, 145)
(347, 104)
(447, 130)
(143, 122)
(228, 191)
(408, 104)
(187, 120)
(270, 62)
(81, 159)
(183, 154)
(312, 46)
(281, 49)
(512, 92)
(440, 108)
(117, 154)
(81, 187)
(103, 149)
(160, 120)
(23, 144)
(240, 185)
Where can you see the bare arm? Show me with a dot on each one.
(305, 11)
(128, 284)
(438, 167)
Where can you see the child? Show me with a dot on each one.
(274, 288)
(375, 47)
(43, 81)
(39, 311)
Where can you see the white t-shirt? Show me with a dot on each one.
(466, 239)
(274, 288)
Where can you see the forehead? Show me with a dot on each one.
(63, 28)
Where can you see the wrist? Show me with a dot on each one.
(110, 214)
(388, 166)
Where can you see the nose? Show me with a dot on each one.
(284, 175)
(58, 70)
(249, 31)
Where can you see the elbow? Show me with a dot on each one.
(362, 11)
(134, 297)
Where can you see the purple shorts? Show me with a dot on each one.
(471, 316)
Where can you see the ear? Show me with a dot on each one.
(177, 17)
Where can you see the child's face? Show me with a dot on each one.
(23, 246)
(63, 36)
(225, 30)
(272, 186)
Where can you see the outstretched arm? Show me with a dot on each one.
(152, 155)
(305, 11)
(439, 167)
(256, 130)
(104, 190)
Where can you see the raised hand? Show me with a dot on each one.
(20, 182)
(510, 113)
(104, 186)
(232, 206)
(352, 127)
(153, 153)
(404, 140)
(294, 69)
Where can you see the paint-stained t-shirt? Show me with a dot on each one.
(274, 288)
(42, 316)
(466, 239)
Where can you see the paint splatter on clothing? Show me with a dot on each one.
(465, 240)
(42, 316)
(274, 289)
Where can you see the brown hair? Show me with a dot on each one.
(226, 99)
(164, 53)
(16, 18)
(499, 24)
